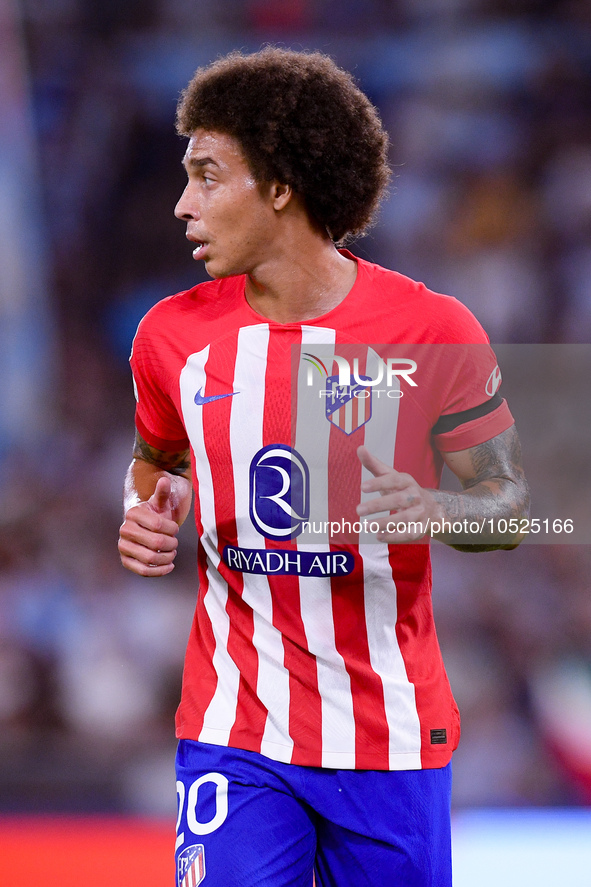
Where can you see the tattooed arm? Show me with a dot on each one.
(157, 499)
(494, 489)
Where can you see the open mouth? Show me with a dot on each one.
(198, 249)
(200, 245)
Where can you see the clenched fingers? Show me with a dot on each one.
(130, 531)
(147, 542)
(145, 516)
(144, 561)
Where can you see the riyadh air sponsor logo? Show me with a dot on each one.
(191, 866)
(279, 494)
(200, 399)
(287, 562)
(493, 382)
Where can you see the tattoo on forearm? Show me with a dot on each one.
(497, 459)
(497, 488)
(487, 461)
(176, 463)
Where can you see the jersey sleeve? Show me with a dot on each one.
(473, 426)
(156, 415)
(472, 410)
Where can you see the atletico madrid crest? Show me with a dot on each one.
(348, 407)
(191, 866)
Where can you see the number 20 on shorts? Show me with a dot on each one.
(192, 798)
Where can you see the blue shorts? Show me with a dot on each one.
(247, 821)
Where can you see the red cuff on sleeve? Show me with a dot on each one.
(473, 433)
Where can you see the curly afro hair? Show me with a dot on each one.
(302, 121)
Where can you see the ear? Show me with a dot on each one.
(281, 195)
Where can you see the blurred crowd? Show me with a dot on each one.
(488, 104)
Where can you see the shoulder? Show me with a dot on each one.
(419, 312)
(197, 300)
(201, 304)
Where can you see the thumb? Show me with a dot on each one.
(372, 463)
(160, 500)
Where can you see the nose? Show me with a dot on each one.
(186, 209)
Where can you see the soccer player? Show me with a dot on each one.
(316, 723)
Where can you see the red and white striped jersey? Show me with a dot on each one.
(311, 642)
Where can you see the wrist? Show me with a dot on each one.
(438, 514)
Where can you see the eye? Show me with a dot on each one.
(207, 180)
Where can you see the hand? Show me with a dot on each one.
(410, 507)
(147, 537)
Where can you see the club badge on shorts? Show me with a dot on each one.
(191, 866)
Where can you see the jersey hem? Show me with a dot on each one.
(331, 760)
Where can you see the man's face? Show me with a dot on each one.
(229, 217)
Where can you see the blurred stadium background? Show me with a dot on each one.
(488, 103)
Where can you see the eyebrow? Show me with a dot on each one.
(198, 162)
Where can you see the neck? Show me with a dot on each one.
(302, 282)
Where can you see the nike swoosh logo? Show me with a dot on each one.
(200, 399)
